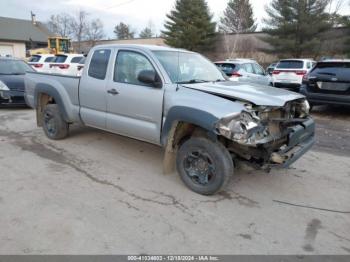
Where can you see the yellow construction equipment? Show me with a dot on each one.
(59, 45)
(55, 45)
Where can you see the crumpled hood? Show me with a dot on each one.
(257, 94)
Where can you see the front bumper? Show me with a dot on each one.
(12, 97)
(300, 139)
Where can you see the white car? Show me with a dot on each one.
(244, 70)
(289, 73)
(80, 66)
(41, 62)
(66, 64)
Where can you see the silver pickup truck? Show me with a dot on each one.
(181, 101)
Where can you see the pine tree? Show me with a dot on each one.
(295, 26)
(146, 33)
(123, 31)
(238, 17)
(190, 26)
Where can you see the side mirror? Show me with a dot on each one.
(149, 77)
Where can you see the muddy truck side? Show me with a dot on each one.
(181, 101)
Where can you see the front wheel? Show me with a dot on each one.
(53, 123)
(204, 166)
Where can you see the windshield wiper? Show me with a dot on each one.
(193, 81)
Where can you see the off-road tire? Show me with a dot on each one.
(54, 125)
(220, 158)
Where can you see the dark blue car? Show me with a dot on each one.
(12, 73)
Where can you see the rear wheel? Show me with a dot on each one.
(204, 166)
(53, 123)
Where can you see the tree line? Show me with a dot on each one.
(293, 27)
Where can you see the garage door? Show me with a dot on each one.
(6, 50)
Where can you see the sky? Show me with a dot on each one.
(137, 13)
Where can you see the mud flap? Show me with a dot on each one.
(170, 152)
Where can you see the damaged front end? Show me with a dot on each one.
(269, 136)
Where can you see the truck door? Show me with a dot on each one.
(134, 109)
(92, 91)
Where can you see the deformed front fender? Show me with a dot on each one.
(189, 115)
(177, 124)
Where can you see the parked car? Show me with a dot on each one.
(41, 62)
(328, 83)
(66, 64)
(181, 101)
(289, 73)
(80, 66)
(244, 70)
(12, 73)
(270, 68)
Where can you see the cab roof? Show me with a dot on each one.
(143, 47)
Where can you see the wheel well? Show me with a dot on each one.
(43, 100)
(180, 133)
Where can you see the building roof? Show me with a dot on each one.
(13, 29)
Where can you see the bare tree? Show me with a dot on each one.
(334, 6)
(60, 24)
(79, 27)
(95, 31)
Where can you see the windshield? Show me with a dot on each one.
(14, 67)
(185, 67)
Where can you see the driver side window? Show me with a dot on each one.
(128, 65)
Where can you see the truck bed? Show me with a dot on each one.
(66, 86)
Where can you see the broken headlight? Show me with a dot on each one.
(241, 127)
(304, 109)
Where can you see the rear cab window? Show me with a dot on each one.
(99, 63)
(290, 64)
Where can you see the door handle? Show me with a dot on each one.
(113, 92)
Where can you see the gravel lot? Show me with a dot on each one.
(99, 193)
